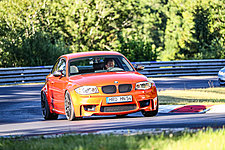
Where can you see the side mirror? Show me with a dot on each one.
(139, 67)
(57, 74)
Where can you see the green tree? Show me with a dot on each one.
(145, 38)
(194, 30)
(22, 40)
(37, 32)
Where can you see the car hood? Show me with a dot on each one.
(107, 78)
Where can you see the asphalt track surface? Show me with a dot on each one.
(20, 112)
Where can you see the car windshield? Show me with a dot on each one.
(97, 64)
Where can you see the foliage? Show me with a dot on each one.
(22, 41)
(194, 30)
(37, 32)
(145, 38)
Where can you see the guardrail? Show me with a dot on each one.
(16, 75)
(208, 67)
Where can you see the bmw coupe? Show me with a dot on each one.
(96, 83)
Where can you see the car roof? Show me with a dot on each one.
(91, 53)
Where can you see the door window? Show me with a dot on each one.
(60, 65)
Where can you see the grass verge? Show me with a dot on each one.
(193, 96)
(201, 140)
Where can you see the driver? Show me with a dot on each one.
(109, 63)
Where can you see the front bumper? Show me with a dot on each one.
(96, 104)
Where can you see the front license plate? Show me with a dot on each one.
(119, 99)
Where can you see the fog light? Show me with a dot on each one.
(144, 103)
(89, 107)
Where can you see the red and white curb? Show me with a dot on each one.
(191, 108)
(168, 108)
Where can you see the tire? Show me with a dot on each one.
(69, 110)
(151, 113)
(221, 83)
(47, 115)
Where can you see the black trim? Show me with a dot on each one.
(109, 89)
(118, 108)
(144, 103)
(121, 90)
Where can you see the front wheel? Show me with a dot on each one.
(221, 83)
(46, 110)
(69, 110)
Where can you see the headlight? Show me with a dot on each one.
(85, 90)
(143, 85)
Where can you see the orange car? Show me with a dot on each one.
(96, 83)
